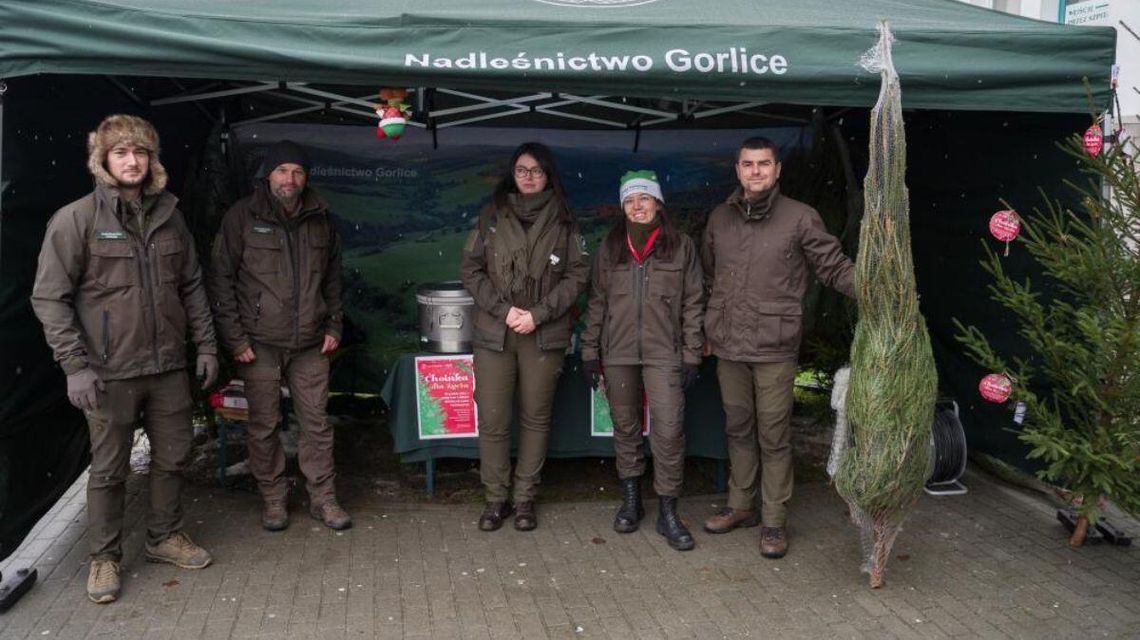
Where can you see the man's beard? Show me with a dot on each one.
(131, 183)
(287, 198)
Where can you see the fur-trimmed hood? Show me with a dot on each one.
(119, 129)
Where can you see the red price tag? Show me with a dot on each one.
(1094, 140)
(1005, 225)
(995, 387)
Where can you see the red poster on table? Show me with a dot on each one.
(445, 397)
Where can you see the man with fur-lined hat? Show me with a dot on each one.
(118, 290)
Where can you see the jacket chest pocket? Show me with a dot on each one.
(621, 280)
(113, 264)
(263, 253)
(555, 271)
(318, 254)
(665, 281)
(169, 258)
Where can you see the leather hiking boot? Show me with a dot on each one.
(631, 512)
(728, 519)
(773, 542)
(331, 514)
(525, 517)
(669, 525)
(103, 581)
(494, 514)
(179, 550)
(274, 515)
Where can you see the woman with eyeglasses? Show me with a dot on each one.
(644, 327)
(524, 266)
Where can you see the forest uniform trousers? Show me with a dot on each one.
(662, 385)
(535, 373)
(306, 372)
(163, 401)
(758, 400)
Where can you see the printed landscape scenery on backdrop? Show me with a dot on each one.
(404, 208)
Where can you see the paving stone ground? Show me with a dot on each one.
(990, 564)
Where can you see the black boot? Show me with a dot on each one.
(669, 525)
(631, 511)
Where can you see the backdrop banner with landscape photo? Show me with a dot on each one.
(405, 207)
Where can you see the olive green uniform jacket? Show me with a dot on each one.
(275, 279)
(561, 283)
(118, 299)
(646, 313)
(756, 268)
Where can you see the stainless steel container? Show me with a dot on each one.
(446, 317)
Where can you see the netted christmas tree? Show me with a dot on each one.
(1084, 336)
(893, 384)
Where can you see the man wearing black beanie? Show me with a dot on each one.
(274, 282)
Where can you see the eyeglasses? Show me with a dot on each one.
(535, 172)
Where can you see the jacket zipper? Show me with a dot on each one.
(640, 278)
(148, 287)
(257, 310)
(294, 259)
(106, 336)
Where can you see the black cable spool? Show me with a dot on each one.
(947, 450)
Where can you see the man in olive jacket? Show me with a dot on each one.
(117, 289)
(275, 284)
(756, 251)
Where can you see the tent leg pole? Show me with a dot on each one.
(3, 185)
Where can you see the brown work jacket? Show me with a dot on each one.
(275, 279)
(646, 313)
(561, 283)
(117, 300)
(757, 272)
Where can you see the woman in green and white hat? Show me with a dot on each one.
(644, 327)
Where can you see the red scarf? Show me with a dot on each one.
(640, 257)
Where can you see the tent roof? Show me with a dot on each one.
(950, 55)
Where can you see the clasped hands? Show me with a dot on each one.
(520, 321)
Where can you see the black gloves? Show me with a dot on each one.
(690, 373)
(592, 372)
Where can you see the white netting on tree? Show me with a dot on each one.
(891, 393)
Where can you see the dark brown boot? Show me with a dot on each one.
(331, 514)
(728, 519)
(494, 514)
(773, 542)
(274, 515)
(525, 517)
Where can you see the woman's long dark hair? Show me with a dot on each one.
(667, 240)
(545, 158)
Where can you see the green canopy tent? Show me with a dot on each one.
(598, 63)
(952, 56)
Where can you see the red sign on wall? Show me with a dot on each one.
(445, 397)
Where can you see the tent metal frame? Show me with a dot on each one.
(477, 107)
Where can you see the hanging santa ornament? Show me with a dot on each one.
(393, 113)
(1094, 140)
(995, 387)
(1005, 225)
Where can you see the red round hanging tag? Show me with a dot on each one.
(1094, 140)
(995, 387)
(1005, 225)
